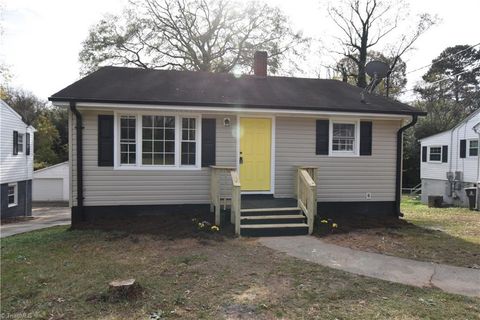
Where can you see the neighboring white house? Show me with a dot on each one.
(51, 183)
(450, 162)
(16, 164)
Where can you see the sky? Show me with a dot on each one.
(42, 38)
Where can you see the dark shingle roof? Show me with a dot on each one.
(165, 87)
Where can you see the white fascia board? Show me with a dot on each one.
(223, 110)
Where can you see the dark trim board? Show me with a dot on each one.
(366, 208)
(357, 208)
(111, 212)
(24, 200)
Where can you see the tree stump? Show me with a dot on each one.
(123, 288)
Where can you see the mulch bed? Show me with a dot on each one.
(166, 226)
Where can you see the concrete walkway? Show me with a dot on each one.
(44, 217)
(451, 279)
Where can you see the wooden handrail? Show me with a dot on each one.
(216, 198)
(307, 196)
(215, 192)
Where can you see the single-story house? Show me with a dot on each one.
(275, 150)
(450, 161)
(16, 164)
(52, 184)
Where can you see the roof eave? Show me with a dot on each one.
(217, 104)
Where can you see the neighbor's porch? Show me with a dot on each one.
(260, 214)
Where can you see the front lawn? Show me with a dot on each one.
(60, 274)
(443, 235)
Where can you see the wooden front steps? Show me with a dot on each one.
(269, 222)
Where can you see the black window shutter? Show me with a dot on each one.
(365, 138)
(15, 143)
(322, 130)
(27, 144)
(424, 154)
(105, 140)
(208, 142)
(444, 153)
(463, 148)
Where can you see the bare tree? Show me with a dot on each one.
(205, 35)
(364, 23)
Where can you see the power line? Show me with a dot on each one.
(449, 56)
(440, 80)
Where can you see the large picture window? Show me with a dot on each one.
(158, 140)
(128, 147)
(343, 137)
(149, 141)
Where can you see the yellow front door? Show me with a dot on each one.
(255, 155)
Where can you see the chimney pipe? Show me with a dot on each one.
(260, 63)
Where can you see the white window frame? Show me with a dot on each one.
(21, 138)
(356, 142)
(138, 141)
(469, 148)
(119, 142)
(429, 152)
(15, 194)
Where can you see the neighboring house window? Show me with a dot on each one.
(473, 148)
(344, 138)
(12, 194)
(127, 140)
(188, 141)
(435, 154)
(20, 142)
(158, 140)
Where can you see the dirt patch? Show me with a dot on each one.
(378, 240)
(16, 220)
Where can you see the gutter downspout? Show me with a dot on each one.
(398, 178)
(79, 136)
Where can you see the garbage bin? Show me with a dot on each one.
(472, 197)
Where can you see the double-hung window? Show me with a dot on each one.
(12, 194)
(128, 146)
(189, 144)
(435, 154)
(20, 142)
(344, 138)
(473, 148)
(158, 141)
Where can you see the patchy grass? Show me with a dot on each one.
(442, 235)
(59, 274)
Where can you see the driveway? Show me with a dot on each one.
(44, 217)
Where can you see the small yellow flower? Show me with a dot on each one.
(334, 225)
(215, 228)
(324, 221)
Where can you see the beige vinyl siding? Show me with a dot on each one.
(339, 178)
(106, 186)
